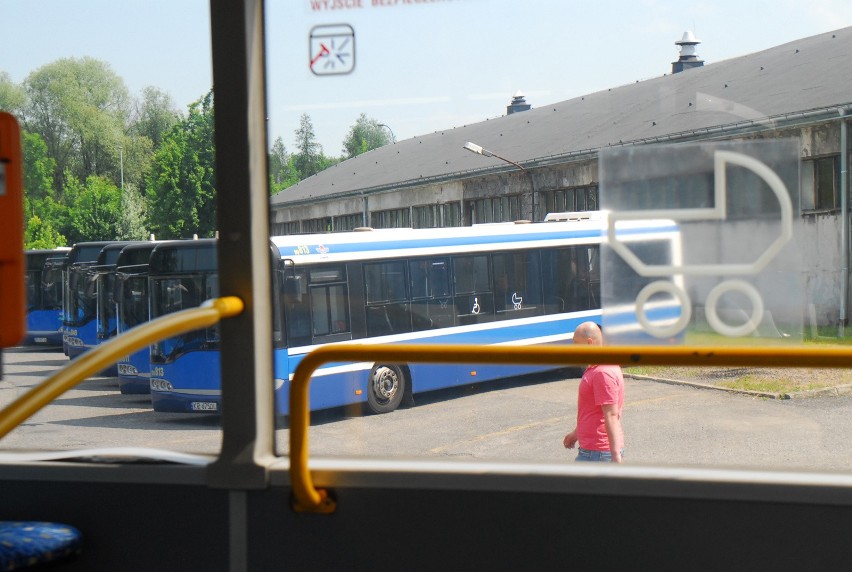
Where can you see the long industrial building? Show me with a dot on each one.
(545, 159)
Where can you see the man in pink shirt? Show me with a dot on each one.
(600, 399)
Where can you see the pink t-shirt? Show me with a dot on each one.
(601, 385)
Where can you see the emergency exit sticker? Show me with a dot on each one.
(332, 49)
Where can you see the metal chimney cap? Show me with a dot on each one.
(688, 39)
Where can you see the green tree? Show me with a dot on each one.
(308, 158)
(181, 185)
(80, 107)
(365, 135)
(40, 234)
(12, 95)
(95, 209)
(282, 169)
(155, 114)
(133, 225)
(38, 168)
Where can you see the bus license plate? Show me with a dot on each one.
(203, 406)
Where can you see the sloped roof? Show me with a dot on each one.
(799, 77)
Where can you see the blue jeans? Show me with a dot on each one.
(586, 455)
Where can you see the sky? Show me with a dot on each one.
(416, 66)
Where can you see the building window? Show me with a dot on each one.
(436, 216)
(316, 225)
(497, 209)
(348, 222)
(452, 214)
(821, 183)
(574, 199)
(285, 228)
(395, 218)
(426, 216)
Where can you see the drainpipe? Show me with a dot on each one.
(844, 226)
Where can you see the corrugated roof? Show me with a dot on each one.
(808, 74)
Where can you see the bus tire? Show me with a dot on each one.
(387, 387)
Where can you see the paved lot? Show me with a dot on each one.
(522, 420)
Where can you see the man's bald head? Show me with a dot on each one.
(588, 333)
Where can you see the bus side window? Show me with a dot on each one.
(297, 311)
(431, 292)
(517, 284)
(388, 311)
(329, 301)
(474, 301)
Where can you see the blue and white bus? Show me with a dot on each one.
(87, 275)
(507, 283)
(130, 294)
(183, 274)
(44, 296)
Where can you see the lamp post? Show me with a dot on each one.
(393, 137)
(121, 164)
(479, 150)
(474, 148)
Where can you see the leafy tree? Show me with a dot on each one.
(12, 96)
(309, 158)
(181, 185)
(95, 210)
(40, 234)
(132, 225)
(155, 114)
(282, 169)
(38, 168)
(80, 108)
(365, 135)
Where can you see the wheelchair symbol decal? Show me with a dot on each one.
(718, 212)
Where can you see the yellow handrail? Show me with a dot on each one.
(95, 360)
(310, 499)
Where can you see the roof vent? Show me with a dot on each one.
(518, 104)
(688, 58)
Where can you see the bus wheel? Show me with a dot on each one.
(387, 386)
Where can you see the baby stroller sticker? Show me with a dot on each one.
(727, 265)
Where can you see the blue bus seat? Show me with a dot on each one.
(30, 543)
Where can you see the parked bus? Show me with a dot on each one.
(131, 309)
(183, 274)
(508, 283)
(86, 278)
(44, 296)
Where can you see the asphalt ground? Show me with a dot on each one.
(521, 419)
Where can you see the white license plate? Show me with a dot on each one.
(203, 406)
(41, 340)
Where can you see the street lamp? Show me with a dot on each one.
(474, 148)
(393, 137)
(479, 150)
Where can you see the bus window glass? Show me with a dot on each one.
(474, 301)
(329, 301)
(385, 282)
(517, 284)
(297, 308)
(431, 290)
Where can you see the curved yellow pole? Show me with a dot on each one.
(309, 499)
(95, 360)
